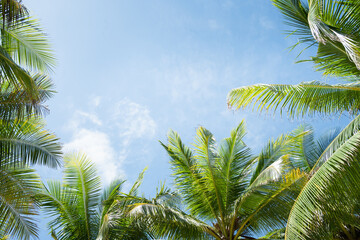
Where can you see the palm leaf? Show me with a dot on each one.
(17, 103)
(27, 142)
(302, 99)
(80, 174)
(17, 207)
(28, 45)
(331, 191)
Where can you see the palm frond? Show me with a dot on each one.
(59, 203)
(234, 164)
(27, 142)
(17, 103)
(28, 45)
(331, 191)
(170, 222)
(188, 177)
(329, 25)
(12, 11)
(298, 100)
(80, 174)
(267, 206)
(17, 205)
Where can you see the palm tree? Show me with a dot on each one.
(23, 143)
(229, 194)
(79, 209)
(24, 48)
(327, 207)
(25, 59)
(332, 27)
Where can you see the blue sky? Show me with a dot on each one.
(128, 71)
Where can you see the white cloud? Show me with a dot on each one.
(92, 117)
(98, 135)
(133, 121)
(97, 146)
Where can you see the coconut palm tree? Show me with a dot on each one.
(228, 193)
(24, 48)
(25, 59)
(327, 207)
(23, 143)
(80, 209)
(331, 27)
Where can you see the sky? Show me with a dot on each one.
(128, 71)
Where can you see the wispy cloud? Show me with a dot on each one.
(133, 121)
(107, 139)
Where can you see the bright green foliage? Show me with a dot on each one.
(81, 210)
(226, 197)
(331, 26)
(24, 58)
(24, 49)
(328, 207)
(23, 143)
(307, 98)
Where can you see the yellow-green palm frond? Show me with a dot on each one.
(306, 98)
(329, 197)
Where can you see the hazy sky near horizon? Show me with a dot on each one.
(128, 71)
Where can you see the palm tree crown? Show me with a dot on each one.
(229, 194)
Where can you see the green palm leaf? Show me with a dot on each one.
(11, 11)
(17, 103)
(302, 99)
(28, 45)
(332, 189)
(80, 174)
(17, 208)
(331, 26)
(27, 142)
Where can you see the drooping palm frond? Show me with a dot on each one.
(28, 45)
(12, 11)
(59, 203)
(18, 76)
(17, 208)
(331, 194)
(329, 25)
(164, 218)
(171, 222)
(328, 150)
(26, 142)
(17, 103)
(306, 98)
(286, 145)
